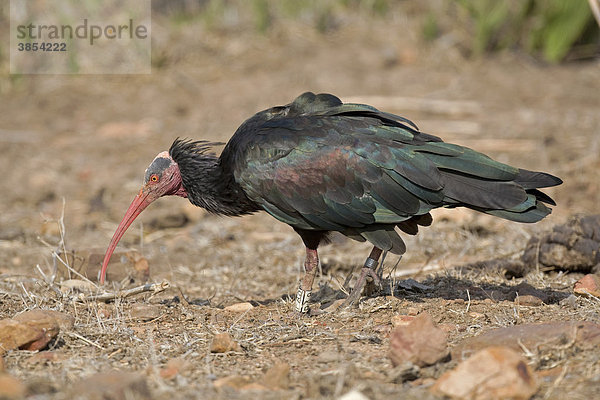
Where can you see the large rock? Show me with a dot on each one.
(574, 246)
(33, 330)
(584, 334)
(11, 388)
(490, 374)
(420, 342)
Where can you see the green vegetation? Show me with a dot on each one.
(551, 29)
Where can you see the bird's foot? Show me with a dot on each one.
(367, 277)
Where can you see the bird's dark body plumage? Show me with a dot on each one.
(320, 165)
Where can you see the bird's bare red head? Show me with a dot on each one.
(162, 178)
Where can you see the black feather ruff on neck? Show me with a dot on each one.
(208, 183)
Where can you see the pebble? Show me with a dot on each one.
(173, 368)
(223, 342)
(402, 320)
(11, 387)
(354, 395)
(570, 302)
(239, 307)
(80, 285)
(588, 285)
(528, 300)
(421, 342)
(145, 312)
(492, 373)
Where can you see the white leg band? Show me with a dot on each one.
(302, 298)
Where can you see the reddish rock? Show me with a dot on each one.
(14, 334)
(174, 367)
(144, 312)
(588, 285)
(402, 320)
(528, 300)
(11, 388)
(44, 322)
(223, 342)
(32, 330)
(420, 342)
(65, 321)
(585, 334)
(492, 373)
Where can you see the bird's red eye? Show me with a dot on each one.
(154, 178)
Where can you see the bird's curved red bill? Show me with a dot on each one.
(139, 203)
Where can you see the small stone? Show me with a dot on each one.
(354, 395)
(234, 381)
(402, 320)
(80, 285)
(239, 307)
(570, 302)
(420, 342)
(588, 285)
(223, 342)
(145, 312)
(115, 385)
(174, 367)
(528, 300)
(492, 373)
(11, 387)
(277, 377)
(413, 311)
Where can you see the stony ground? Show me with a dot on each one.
(74, 149)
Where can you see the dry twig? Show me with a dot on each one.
(151, 287)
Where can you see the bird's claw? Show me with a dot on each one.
(369, 277)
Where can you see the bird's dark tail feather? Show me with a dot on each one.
(533, 209)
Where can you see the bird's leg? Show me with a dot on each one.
(311, 264)
(367, 274)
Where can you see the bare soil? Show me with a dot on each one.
(88, 139)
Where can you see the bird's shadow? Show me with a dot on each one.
(441, 287)
(448, 288)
